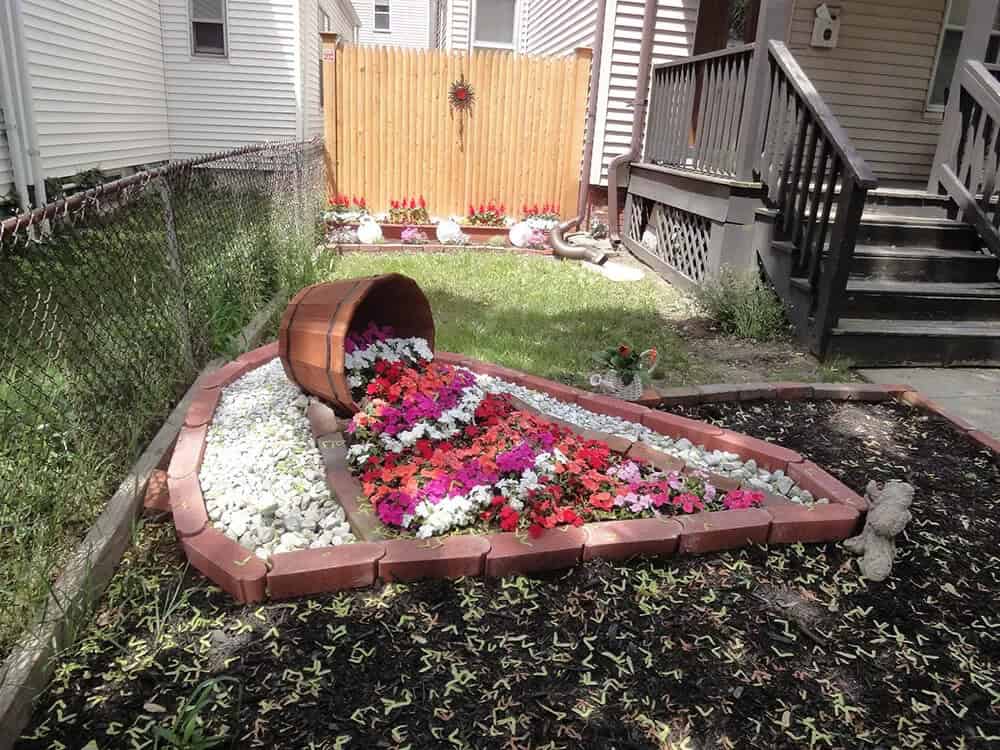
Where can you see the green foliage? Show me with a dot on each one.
(189, 728)
(623, 359)
(497, 240)
(742, 305)
(105, 321)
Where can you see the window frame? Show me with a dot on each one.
(935, 108)
(223, 21)
(514, 46)
(387, 13)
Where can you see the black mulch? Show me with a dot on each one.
(772, 648)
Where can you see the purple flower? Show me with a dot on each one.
(517, 460)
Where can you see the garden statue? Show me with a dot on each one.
(369, 232)
(887, 516)
(449, 232)
(520, 234)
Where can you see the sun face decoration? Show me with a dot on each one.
(461, 95)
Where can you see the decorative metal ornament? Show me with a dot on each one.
(461, 97)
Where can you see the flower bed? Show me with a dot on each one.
(477, 234)
(435, 453)
(659, 444)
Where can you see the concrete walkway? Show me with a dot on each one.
(971, 393)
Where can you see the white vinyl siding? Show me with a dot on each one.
(876, 80)
(6, 170)
(557, 27)
(457, 25)
(409, 23)
(96, 70)
(246, 97)
(673, 39)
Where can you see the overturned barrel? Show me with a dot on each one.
(319, 319)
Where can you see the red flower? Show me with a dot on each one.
(602, 500)
(423, 203)
(413, 203)
(472, 209)
(535, 530)
(394, 204)
(509, 518)
(481, 209)
(624, 350)
(461, 94)
(503, 208)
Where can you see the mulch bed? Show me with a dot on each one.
(774, 648)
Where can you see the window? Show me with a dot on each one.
(496, 22)
(208, 27)
(381, 16)
(948, 46)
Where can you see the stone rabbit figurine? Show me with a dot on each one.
(887, 517)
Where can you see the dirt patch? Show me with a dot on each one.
(783, 647)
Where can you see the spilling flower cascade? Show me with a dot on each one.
(435, 452)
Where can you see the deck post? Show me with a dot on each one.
(975, 38)
(772, 23)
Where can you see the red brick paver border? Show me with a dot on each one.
(312, 571)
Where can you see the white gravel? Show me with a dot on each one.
(719, 462)
(262, 476)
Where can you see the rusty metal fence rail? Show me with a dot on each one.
(110, 303)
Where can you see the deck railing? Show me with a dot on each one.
(971, 147)
(696, 111)
(811, 173)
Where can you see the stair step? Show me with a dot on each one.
(899, 342)
(915, 263)
(879, 299)
(917, 231)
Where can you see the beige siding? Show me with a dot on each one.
(248, 96)
(96, 70)
(673, 39)
(876, 79)
(557, 27)
(409, 23)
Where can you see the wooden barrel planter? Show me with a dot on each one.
(319, 319)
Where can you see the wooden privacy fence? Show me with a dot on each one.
(391, 131)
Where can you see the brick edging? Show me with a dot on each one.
(235, 569)
(432, 247)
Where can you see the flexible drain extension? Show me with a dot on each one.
(564, 249)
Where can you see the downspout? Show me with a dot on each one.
(639, 105)
(559, 245)
(12, 125)
(595, 85)
(27, 97)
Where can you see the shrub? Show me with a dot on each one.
(742, 305)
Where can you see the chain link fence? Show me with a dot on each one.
(111, 301)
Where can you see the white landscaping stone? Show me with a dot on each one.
(262, 475)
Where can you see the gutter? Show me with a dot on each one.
(591, 126)
(639, 105)
(20, 55)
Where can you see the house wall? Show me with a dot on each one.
(6, 169)
(450, 24)
(96, 71)
(876, 80)
(409, 23)
(557, 27)
(342, 21)
(673, 39)
(249, 96)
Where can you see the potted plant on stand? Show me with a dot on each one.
(624, 371)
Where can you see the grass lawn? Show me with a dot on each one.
(548, 317)
(780, 647)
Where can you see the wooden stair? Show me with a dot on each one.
(921, 290)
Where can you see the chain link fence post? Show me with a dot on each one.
(162, 187)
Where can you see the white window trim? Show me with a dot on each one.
(224, 20)
(946, 27)
(387, 29)
(475, 44)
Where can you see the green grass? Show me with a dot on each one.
(533, 314)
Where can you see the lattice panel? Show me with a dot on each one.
(679, 238)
